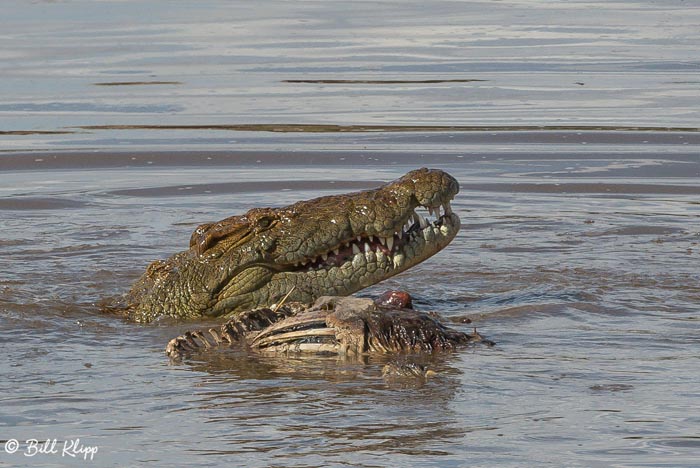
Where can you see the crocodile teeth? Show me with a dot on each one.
(359, 261)
(448, 208)
(324, 257)
(359, 238)
(355, 249)
(380, 255)
(422, 222)
(367, 248)
(390, 243)
(382, 240)
(371, 238)
(336, 251)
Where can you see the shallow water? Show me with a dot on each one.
(578, 255)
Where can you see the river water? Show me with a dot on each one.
(573, 129)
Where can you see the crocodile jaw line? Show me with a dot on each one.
(362, 262)
(424, 225)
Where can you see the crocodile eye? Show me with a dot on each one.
(265, 222)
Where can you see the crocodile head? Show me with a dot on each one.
(332, 245)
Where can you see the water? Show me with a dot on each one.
(579, 165)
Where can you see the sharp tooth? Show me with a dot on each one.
(390, 243)
(371, 238)
(355, 249)
(336, 251)
(347, 244)
(359, 261)
(423, 222)
(324, 257)
(382, 240)
(359, 239)
(448, 208)
(380, 256)
(367, 249)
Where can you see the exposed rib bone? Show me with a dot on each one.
(200, 336)
(292, 336)
(215, 335)
(318, 348)
(281, 303)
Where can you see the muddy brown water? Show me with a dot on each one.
(572, 129)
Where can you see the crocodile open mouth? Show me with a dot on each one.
(333, 245)
(424, 226)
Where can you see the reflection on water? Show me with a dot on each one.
(506, 64)
(315, 128)
(572, 128)
(455, 80)
(136, 83)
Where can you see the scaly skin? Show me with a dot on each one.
(333, 245)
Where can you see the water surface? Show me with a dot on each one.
(572, 129)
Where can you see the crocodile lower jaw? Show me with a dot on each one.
(418, 228)
(419, 238)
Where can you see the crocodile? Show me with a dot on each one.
(328, 246)
(348, 327)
